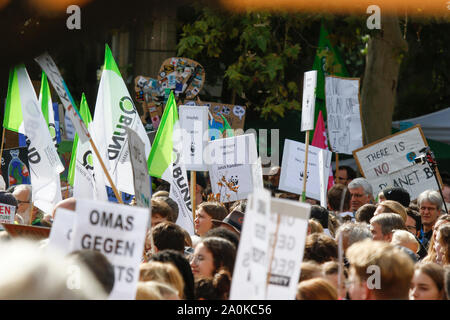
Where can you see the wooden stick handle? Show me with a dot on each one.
(117, 194)
(272, 253)
(305, 172)
(193, 192)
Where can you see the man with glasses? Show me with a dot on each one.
(360, 193)
(430, 206)
(22, 193)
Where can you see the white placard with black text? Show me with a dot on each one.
(309, 100)
(62, 228)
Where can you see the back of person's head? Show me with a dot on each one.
(8, 198)
(31, 273)
(405, 239)
(394, 268)
(309, 270)
(430, 196)
(222, 232)
(365, 212)
(320, 248)
(394, 207)
(320, 214)
(215, 210)
(352, 232)
(155, 290)
(389, 222)
(223, 252)
(162, 272)
(214, 288)
(398, 194)
(168, 235)
(182, 264)
(316, 289)
(338, 198)
(363, 183)
(98, 264)
(314, 226)
(160, 207)
(69, 204)
(332, 267)
(447, 281)
(160, 193)
(172, 204)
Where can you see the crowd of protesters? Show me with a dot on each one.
(393, 248)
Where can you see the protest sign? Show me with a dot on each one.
(7, 214)
(140, 171)
(289, 244)
(230, 166)
(292, 168)
(61, 232)
(194, 125)
(272, 243)
(389, 162)
(309, 100)
(343, 114)
(117, 231)
(234, 114)
(24, 231)
(250, 269)
(15, 168)
(324, 174)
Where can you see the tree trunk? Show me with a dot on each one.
(379, 89)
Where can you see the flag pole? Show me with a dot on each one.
(337, 164)
(1, 148)
(113, 186)
(305, 172)
(193, 192)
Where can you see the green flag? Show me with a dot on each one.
(87, 118)
(13, 119)
(327, 62)
(226, 127)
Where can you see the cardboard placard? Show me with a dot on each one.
(118, 231)
(309, 100)
(24, 231)
(389, 162)
(230, 166)
(293, 165)
(62, 229)
(140, 170)
(194, 123)
(15, 167)
(7, 214)
(343, 114)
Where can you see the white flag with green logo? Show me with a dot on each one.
(81, 171)
(114, 111)
(43, 159)
(166, 162)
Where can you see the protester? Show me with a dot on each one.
(427, 282)
(328, 221)
(365, 213)
(154, 290)
(352, 232)
(330, 271)
(413, 222)
(405, 239)
(430, 205)
(393, 273)
(224, 233)
(161, 211)
(431, 254)
(383, 224)
(211, 255)
(205, 213)
(168, 235)
(316, 289)
(34, 274)
(163, 272)
(360, 192)
(320, 248)
(314, 226)
(22, 193)
(338, 201)
(9, 199)
(442, 244)
(398, 194)
(344, 175)
(309, 270)
(98, 264)
(172, 204)
(391, 206)
(182, 264)
(232, 222)
(214, 288)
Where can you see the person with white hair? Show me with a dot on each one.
(430, 205)
(360, 193)
(34, 274)
(405, 239)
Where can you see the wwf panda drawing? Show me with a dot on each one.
(234, 180)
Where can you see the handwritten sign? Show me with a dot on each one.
(293, 166)
(389, 162)
(194, 123)
(7, 214)
(62, 228)
(230, 166)
(309, 100)
(343, 114)
(117, 231)
(141, 178)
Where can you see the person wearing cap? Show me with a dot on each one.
(232, 222)
(397, 194)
